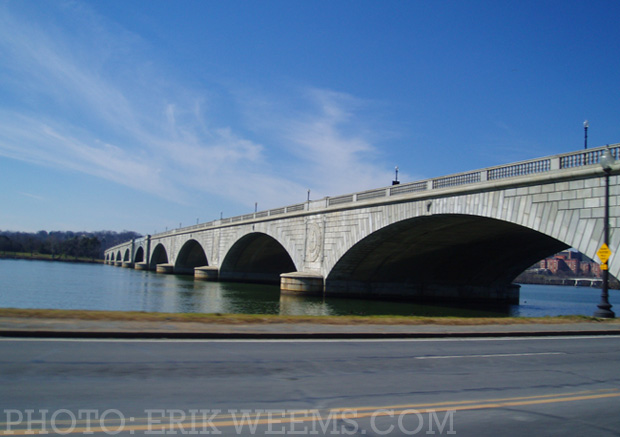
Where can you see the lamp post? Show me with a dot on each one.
(395, 181)
(586, 125)
(604, 307)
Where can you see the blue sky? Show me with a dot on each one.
(143, 115)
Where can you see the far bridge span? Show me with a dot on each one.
(459, 237)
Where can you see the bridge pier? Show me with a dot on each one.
(141, 266)
(207, 273)
(165, 268)
(301, 283)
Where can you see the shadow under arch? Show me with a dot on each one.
(139, 257)
(160, 256)
(190, 256)
(440, 257)
(256, 257)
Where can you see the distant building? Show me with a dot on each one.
(571, 263)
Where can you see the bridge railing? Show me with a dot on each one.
(460, 179)
(518, 169)
(521, 169)
(586, 158)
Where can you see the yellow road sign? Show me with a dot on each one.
(604, 253)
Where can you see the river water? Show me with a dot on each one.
(59, 285)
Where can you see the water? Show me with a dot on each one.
(58, 285)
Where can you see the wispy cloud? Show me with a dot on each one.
(72, 108)
(330, 142)
(33, 196)
(334, 141)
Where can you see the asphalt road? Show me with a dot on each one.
(479, 387)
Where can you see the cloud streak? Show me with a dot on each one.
(72, 111)
(330, 142)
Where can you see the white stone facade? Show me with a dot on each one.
(566, 204)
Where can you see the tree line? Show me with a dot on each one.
(63, 244)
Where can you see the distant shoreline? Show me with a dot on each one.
(588, 282)
(39, 257)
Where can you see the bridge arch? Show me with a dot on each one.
(160, 256)
(190, 256)
(423, 257)
(256, 257)
(328, 240)
(139, 256)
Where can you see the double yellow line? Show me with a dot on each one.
(245, 419)
(479, 404)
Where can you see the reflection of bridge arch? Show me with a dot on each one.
(190, 256)
(160, 256)
(256, 257)
(420, 256)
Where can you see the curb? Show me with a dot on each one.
(290, 335)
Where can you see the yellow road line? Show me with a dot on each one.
(438, 404)
(300, 416)
(344, 409)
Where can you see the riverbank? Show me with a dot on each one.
(131, 325)
(45, 257)
(232, 319)
(580, 281)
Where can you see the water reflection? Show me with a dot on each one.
(177, 294)
(361, 307)
(303, 306)
(40, 284)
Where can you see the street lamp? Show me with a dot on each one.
(586, 125)
(604, 307)
(395, 181)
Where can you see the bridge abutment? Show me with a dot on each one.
(301, 283)
(165, 268)
(207, 273)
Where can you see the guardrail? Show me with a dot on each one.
(522, 169)
(518, 169)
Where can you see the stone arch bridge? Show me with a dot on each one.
(459, 237)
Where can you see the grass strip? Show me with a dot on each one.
(138, 316)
